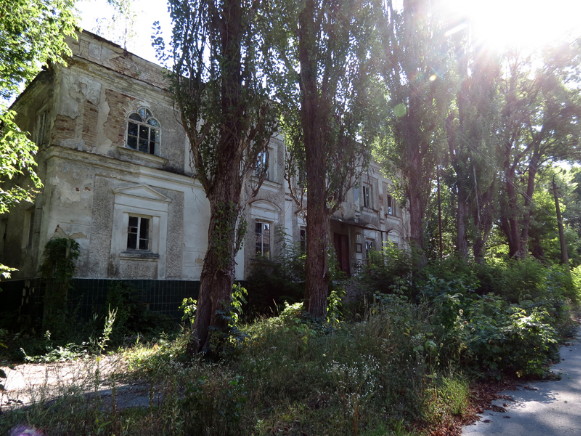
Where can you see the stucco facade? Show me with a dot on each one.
(116, 169)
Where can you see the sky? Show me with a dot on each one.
(99, 17)
(498, 23)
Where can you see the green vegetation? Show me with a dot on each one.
(399, 358)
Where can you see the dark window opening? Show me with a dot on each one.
(138, 233)
(143, 132)
(262, 232)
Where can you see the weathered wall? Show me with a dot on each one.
(93, 182)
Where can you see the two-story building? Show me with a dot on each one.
(117, 175)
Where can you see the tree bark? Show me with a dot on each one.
(509, 222)
(528, 200)
(225, 188)
(562, 241)
(217, 276)
(461, 217)
(313, 116)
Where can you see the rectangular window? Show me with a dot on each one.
(262, 231)
(303, 239)
(390, 205)
(262, 164)
(138, 233)
(369, 246)
(39, 136)
(367, 196)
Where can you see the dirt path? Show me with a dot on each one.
(543, 408)
(30, 383)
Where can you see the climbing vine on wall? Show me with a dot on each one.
(58, 268)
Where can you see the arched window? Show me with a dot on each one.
(143, 132)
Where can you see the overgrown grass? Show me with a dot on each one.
(403, 368)
(290, 376)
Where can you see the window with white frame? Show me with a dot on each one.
(143, 132)
(139, 228)
(262, 232)
(138, 233)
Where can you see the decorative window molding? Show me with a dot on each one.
(265, 216)
(136, 156)
(140, 221)
(143, 132)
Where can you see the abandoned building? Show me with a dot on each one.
(117, 178)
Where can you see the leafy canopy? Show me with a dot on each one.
(32, 34)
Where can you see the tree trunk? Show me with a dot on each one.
(461, 217)
(217, 275)
(225, 188)
(483, 221)
(314, 112)
(416, 214)
(528, 202)
(509, 222)
(317, 280)
(562, 241)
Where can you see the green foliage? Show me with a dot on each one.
(72, 351)
(335, 306)
(274, 282)
(17, 161)
(59, 259)
(33, 33)
(132, 316)
(576, 281)
(505, 338)
(188, 307)
(446, 398)
(101, 343)
(58, 268)
(388, 271)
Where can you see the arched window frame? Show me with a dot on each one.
(143, 132)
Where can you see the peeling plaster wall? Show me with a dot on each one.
(93, 182)
(98, 90)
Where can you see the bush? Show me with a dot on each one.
(387, 271)
(502, 338)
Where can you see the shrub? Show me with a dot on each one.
(502, 338)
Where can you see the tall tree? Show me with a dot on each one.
(539, 122)
(32, 34)
(415, 55)
(322, 70)
(471, 128)
(218, 88)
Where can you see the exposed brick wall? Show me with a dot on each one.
(118, 106)
(64, 128)
(90, 119)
